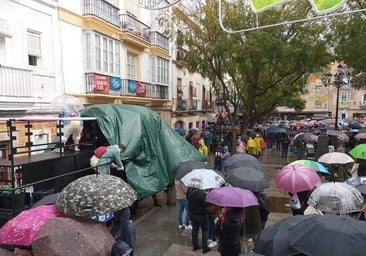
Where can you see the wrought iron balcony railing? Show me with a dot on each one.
(131, 24)
(102, 10)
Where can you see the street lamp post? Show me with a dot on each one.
(341, 78)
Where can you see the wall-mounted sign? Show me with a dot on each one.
(100, 84)
(131, 86)
(141, 89)
(116, 83)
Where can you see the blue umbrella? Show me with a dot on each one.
(181, 131)
(315, 165)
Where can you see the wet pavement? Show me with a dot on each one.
(157, 227)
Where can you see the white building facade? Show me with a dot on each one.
(101, 51)
(29, 54)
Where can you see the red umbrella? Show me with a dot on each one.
(296, 178)
(22, 229)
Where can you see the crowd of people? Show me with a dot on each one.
(225, 227)
(231, 225)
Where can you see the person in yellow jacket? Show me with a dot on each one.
(203, 149)
(258, 148)
(251, 146)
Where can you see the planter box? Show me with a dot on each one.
(19, 201)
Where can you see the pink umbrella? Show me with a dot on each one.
(232, 197)
(296, 178)
(22, 229)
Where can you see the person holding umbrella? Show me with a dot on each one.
(224, 157)
(199, 217)
(181, 191)
(285, 143)
(338, 173)
(123, 229)
(230, 231)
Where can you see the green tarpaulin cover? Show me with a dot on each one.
(153, 147)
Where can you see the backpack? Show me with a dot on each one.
(99, 151)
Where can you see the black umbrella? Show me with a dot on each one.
(362, 189)
(255, 164)
(49, 199)
(329, 235)
(183, 168)
(248, 178)
(4, 252)
(275, 240)
(307, 137)
(240, 157)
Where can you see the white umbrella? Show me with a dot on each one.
(63, 101)
(335, 158)
(203, 179)
(336, 197)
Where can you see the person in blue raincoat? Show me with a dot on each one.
(113, 154)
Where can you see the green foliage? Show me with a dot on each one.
(259, 70)
(7, 190)
(350, 41)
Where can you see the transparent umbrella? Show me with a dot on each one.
(336, 197)
(66, 101)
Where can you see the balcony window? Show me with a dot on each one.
(160, 70)
(318, 105)
(364, 100)
(344, 96)
(105, 54)
(131, 66)
(102, 54)
(117, 58)
(34, 48)
(2, 49)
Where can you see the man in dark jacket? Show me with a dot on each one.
(199, 217)
(123, 229)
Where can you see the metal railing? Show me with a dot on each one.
(160, 40)
(102, 10)
(192, 104)
(131, 87)
(131, 24)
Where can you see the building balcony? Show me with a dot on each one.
(135, 31)
(192, 105)
(103, 10)
(180, 54)
(158, 39)
(363, 105)
(16, 82)
(106, 85)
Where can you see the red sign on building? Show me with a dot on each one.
(101, 84)
(141, 89)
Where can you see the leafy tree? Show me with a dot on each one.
(257, 71)
(350, 41)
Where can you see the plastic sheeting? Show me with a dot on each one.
(153, 148)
